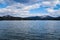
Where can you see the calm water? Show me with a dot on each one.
(29, 30)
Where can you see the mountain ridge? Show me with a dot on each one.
(8, 17)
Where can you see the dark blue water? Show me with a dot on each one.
(29, 30)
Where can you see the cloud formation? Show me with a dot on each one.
(22, 7)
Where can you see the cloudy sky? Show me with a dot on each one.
(25, 8)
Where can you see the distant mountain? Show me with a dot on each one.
(8, 17)
(33, 18)
(39, 18)
(57, 18)
(46, 17)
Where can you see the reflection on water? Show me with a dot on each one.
(29, 30)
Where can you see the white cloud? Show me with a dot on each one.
(20, 9)
(50, 10)
(46, 3)
(37, 5)
(51, 5)
(56, 2)
(53, 12)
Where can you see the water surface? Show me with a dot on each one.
(29, 30)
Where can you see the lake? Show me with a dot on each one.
(30, 30)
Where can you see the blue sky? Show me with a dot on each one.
(39, 10)
(25, 8)
(2, 5)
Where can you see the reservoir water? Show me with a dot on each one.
(30, 30)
